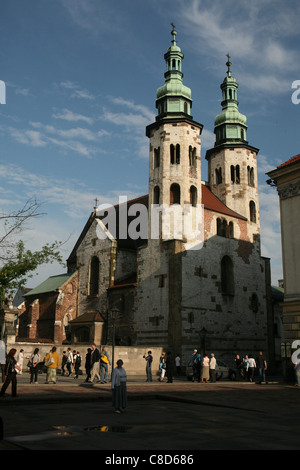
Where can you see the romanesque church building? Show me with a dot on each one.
(180, 267)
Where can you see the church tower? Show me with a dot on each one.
(174, 156)
(232, 165)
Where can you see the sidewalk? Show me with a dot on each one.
(166, 416)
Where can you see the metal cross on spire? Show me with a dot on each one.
(228, 63)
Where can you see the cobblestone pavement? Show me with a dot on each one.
(180, 416)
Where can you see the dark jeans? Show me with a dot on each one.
(149, 374)
(212, 373)
(13, 379)
(69, 367)
(33, 373)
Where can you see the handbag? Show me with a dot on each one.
(49, 361)
(104, 359)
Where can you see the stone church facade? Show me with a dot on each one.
(201, 283)
(169, 292)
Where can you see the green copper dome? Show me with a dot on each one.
(173, 99)
(230, 124)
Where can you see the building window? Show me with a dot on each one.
(225, 229)
(218, 173)
(230, 230)
(175, 194)
(250, 176)
(94, 276)
(157, 157)
(235, 174)
(192, 156)
(193, 196)
(156, 195)
(227, 280)
(174, 154)
(252, 210)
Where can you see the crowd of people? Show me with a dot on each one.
(97, 362)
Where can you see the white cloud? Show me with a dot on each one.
(255, 35)
(68, 115)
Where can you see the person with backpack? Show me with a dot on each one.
(77, 364)
(104, 361)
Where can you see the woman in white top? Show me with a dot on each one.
(34, 365)
(205, 369)
(119, 389)
(251, 368)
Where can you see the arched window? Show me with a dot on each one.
(156, 195)
(175, 194)
(235, 174)
(230, 230)
(227, 279)
(177, 154)
(252, 177)
(219, 227)
(252, 210)
(193, 196)
(172, 154)
(94, 276)
(157, 157)
(218, 173)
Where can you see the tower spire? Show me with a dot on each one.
(173, 98)
(230, 125)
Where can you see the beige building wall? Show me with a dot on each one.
(287, 179)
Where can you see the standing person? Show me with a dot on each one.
(149, 360)
(52, 364)
(10, 371)
(196, 364)
(169, 368)
(104, 361)
(77, 364)
(119, 387)
(245, 362)
(239, 365)
(33, 365)
(205, 369)
(69, 361)
(261, 363)
(251, 368)
(74, 360)
(212, 368)
(95, 363)
(297, 374)
(63, 363)
(177, 364)
(20, 358)
(88, 364)
(2, 359)
(162, 367)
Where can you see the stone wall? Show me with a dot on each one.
(134, 362)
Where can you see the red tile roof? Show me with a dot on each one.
(213, 203)
(290, 161)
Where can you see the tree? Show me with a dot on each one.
(17, 263)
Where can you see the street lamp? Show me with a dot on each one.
(114, 312)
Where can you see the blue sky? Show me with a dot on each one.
(81, 79)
